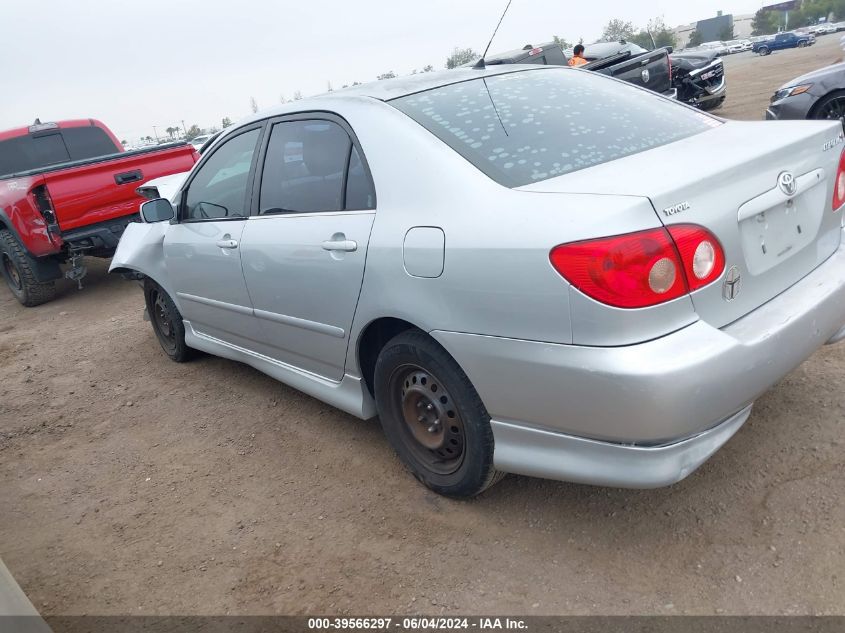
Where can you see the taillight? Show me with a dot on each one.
(642, 269)
(839, 184)
(701, 253)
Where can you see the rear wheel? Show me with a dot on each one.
(18, 269)
(433, 417)
(167, 322)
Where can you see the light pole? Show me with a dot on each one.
(156, 133)
(184, 129)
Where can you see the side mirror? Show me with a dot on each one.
(158, 210)
(670, 49)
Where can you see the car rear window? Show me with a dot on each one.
(24, 153)
(528, 126)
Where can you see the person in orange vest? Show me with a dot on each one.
(578, 58)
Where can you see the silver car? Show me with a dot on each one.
(519, 269)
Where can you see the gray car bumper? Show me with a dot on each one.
(644, 415)
(791, 108)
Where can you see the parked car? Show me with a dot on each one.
(816, 95)
(479, 257)
(720, 48)
(168, 186)
(623, 60)
(699, 78)
(67, 190)
(199, 141)
(823, 29)
(782, 41)
(734, 46)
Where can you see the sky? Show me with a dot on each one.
(135, 65)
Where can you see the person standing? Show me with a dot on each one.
(578, 58)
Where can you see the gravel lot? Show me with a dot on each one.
(132, 485)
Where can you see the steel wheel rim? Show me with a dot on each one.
(162, 317)
(430, 421)
(12, 273)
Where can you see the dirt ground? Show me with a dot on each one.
(132, 485)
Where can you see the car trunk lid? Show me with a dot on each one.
(731, 181)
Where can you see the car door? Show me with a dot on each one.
(305, 246)
(202, 251)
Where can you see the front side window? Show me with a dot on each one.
(218, 191)
(312, 165)
(528, 126)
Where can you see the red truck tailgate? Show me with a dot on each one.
(104, 189)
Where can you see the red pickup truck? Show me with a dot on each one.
(67, 190)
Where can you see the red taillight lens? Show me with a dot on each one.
(642, 269)
(839, 184)
(701, 253)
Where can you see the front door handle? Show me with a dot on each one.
(347, 246)
(227, 243)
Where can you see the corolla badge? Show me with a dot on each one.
(646, 75)
(733, 284)
(787, 183)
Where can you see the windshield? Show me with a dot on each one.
(528, 126)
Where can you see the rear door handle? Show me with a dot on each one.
(347, 246)
(227, 243)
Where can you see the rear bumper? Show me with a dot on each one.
(99, 239)
(672, 391)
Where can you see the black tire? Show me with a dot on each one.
(764, 51)
(167, 323)
(412, 372)
(802, 44)
(18, 270)
(831, 107)
(714, 104)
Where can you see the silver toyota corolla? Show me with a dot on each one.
(518, 269)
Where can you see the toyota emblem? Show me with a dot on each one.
(788, 184)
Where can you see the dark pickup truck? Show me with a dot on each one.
(782, 41)
(625, 61)
(68, 190)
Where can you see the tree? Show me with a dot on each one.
(695, 39)
(226, 122)
(428, 69)
(253, 104)
(655, 35)
(124, 142)
(297, 95)
(561, 42)
(617, 30)
(727, 34)
(282, 98)
(461, 56)
(193, 132)
(170, 131)
(765, 22)
(388, 75)
(330, 86)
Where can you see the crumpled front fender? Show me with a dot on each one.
(141, 249)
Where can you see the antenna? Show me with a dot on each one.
(480, 63)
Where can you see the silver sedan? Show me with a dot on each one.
(517, 269)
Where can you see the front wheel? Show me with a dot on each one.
(830, 107)
(433, 417)
(764, 51)
(18, 269)
(802, 44)
(167, 322)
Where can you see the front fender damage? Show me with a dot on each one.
(140, 253)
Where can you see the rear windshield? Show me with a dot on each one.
(606, 49)
(528, 126)
(24, 153)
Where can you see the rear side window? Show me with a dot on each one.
(528, 126)
(312, 166)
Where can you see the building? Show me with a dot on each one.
(713, 28)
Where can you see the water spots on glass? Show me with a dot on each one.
(549, 114)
